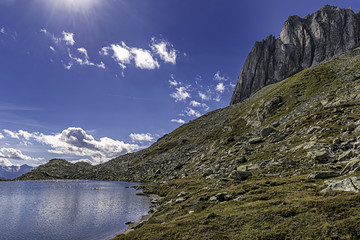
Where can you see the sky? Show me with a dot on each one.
(89, 80)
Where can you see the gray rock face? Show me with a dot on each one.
(303, 42)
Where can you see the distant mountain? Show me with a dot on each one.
(11, 172)
(303, 42)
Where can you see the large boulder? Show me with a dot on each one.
(351, 184)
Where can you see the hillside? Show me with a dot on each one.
(256, 169)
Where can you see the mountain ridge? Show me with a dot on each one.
(302, 43)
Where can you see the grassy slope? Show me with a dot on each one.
(278, 201)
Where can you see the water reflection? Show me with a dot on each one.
(67, 209)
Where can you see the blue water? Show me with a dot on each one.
(67, 209)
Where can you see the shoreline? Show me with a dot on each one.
(153, 209)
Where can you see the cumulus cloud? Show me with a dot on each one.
(141, 137)
(75, 141)
(220, 88)
(2, 30)
(14, 154)
(192, 113)
(143, 59)
(181, 94)
(218, 77)
(68, 38)
(165, 50)
(1, 136)
(120, 53)
(5, 163)
(180, 121)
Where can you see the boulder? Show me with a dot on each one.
(321, 156)
(265, 132)
(323, 175)
(240, 175)
(351, 184)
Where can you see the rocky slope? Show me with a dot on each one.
(303, 42)
(267, 168)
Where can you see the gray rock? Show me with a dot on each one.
(255, 140)
(240, 175)
(180, 200)
(313, 129)
(346, 155)
(321, 156)
(351, 184)
(353, 165)
(241, 159)
(265, 132)
(323, 175)
(303, 42)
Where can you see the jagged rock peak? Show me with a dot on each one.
(302, 43)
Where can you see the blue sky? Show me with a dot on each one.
(93, 79)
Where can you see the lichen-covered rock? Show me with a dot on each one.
(303, 42)
(351, 184)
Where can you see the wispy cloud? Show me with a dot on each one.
(220, 87)
(218, 77)
(69, 54)
(165, 50)
(181, 94)
(180, 121)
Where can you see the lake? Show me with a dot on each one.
(68, 209)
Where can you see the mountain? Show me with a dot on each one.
(281, 164)
(303, 42)
(11, 172)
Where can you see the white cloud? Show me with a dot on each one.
(205, 106)
(82, 59)
(180, 121)
(14, 154)
(52, 48)
(11, 134)
(165, 50)
(143, 59)
(218, 77)
(181, 94)
(203, 96)
(120, 54)
(68, 37)
(2, 30)
(75, 141)
(194, 103)
(141, 137)
(5, 163)
(173, 83)
(220, 87)
(1, 136)
(192, 113)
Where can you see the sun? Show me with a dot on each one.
(75, 5)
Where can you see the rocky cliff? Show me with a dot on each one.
(303, 42)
